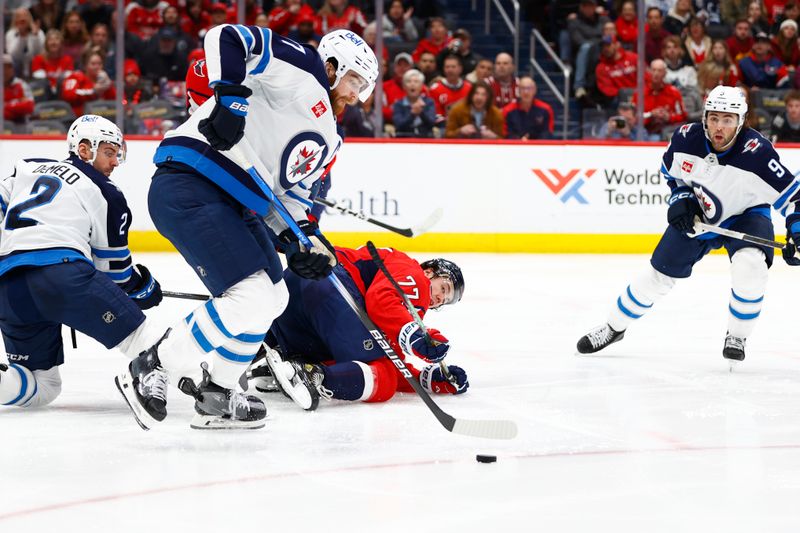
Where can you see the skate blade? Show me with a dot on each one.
(125, 387)
(266, 384)
(299, 393)
(204, 422)
(732, 364)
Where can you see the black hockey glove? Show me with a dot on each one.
(224, 127)
(790, 251)
(315, 263)
(683, 207)
(146, 292)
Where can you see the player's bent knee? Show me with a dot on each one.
(661, 283)
(253, 303)
(749, 271)
(21, 387)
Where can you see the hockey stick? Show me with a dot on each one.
(185, 295)
(490, 429)
(701, 227)
(411, 309)
(427, 224)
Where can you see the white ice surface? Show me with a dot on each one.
(653, 435)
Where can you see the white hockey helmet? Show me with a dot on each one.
(350, 52)
(726, 100)
(95, 130)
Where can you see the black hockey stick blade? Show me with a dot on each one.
(185, 295)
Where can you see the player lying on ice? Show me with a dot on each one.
(728, 175)
(327, 350)
(64, 259)
(277, 99)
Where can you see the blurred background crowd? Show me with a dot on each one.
(444, 74)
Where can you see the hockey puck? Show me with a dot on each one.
(486, 458)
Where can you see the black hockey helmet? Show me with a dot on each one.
(447, 269)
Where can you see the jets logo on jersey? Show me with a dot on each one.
(751, 146)
(319, 109)
(712, 208)
(685, 129)
(302, 157)
(687, 167)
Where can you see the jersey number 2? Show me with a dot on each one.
(43, 190)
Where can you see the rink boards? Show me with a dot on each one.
(496, 197)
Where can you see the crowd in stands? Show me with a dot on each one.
(691, 46)
(60, 61)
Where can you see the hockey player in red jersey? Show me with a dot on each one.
(329, 351)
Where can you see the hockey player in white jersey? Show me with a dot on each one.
(64, 259)
(729, 176)
(282, 98)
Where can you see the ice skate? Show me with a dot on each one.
(295, 379)
(599, 338)
(260, 374)
(733, 350)
(219, 408)
(144, 387)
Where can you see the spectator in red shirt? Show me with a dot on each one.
(251, 11)
(135, 89)
(616, 69)
(663, 104)
(93, 83)
(627, 25)
(53, 64)
(393, 88)
(436, 41)
(143, 17)
(285, 17)
(304, 33)
(528, 118)
(336, 14)
(654, 34)
(503, 82)
(75, 36)
(449, 90)
(17, 96)
(195, 22)
(741, 42)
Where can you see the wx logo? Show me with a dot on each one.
(558, 182)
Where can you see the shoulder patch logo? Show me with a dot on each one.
(751, 146)
(319, 109)
(685, 129)
(687, 166)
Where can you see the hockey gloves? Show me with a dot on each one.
(224, 127)
(790, 251)
(683, 207)
(432, 380)
(315, 263)
(412, 341)
(146, 292)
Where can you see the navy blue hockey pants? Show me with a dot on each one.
(36, 301)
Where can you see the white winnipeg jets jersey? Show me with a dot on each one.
(747, 176)
(290, 122)
(61, 211)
